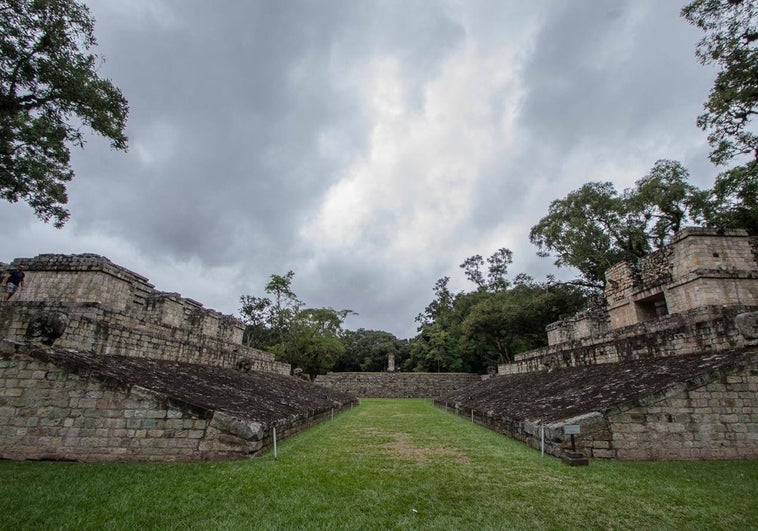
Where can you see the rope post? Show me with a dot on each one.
(275, 453)
(542, 440)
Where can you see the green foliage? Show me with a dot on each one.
(588, 230)
(435, 349)
(665, 200)
(735, 196)
(731, 43)
(497, 270)
(470, 332)
(306, 338)
(314, 340)
(368, 351)
(49, 90)
(387, 464)
(513, 321)
(731, 36)
(595, 226)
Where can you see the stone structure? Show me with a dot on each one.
(67, 405)
(110, 310)
(678, 407)
(679, 300)
(701, 267)
(396, 384)
(666, 370)
(95, 364)
(702, 330)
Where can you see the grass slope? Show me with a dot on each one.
(387, 464)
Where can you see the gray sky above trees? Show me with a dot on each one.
(368, 146)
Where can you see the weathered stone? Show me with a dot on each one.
(396, 384)
(747, 324)
(246, 430)
(47, 327)
(145, 406)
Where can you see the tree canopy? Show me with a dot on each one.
(731, 44)
(49, 90)
(596, 226)
(471, 331)
(307, 338)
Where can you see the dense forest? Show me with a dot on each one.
(589, 230)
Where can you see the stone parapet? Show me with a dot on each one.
(82, 278)
(589, 323)
(396, 384)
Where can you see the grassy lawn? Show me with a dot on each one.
(387, 464)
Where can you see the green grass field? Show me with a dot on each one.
(387, 464)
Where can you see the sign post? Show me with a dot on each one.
(572, 429)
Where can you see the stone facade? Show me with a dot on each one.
(95, 364)
(717, 420)
(110, 310)
(85, 407)
(700, 267)
(674, 408)
(396, 384)
(702, 330)
(666, 370)
(678, 300)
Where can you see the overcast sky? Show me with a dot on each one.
(368, 146)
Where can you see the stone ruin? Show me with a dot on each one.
(667, 368)
(95, 364)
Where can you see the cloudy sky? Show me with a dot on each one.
(368, 146)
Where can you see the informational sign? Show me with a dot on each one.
(571, 429)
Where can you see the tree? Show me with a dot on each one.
(594, 227)
(256, 313)
(589, 230)
(315, 341)
(434, 350)
(513, 321)
(666, 201)
(731, 43)
(472, 331)
(472, 268)
(308, 338)
(497, 270)
(284, 307)
(49, 90)
(368, 350)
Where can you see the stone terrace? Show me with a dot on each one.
(680, 407)
(73, 405)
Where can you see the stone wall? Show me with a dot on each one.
(680, 407)
(700, 267)
(68, 406)
(73, 418)
(586, 324)
(715, 420)
(396, 384)
(718, 420)
(702, 330)
(96, 306)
